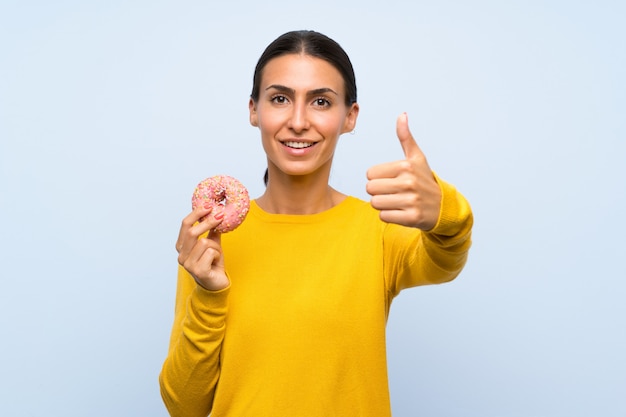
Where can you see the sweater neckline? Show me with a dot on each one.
(346, 205)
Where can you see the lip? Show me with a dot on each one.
(298, 151)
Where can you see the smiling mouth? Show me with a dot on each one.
(298, 145)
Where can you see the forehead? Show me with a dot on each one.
(301, 72)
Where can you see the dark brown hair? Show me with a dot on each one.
(310, 43)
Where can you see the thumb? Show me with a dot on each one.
(409, 145)
(215, 236)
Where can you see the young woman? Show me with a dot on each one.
(286, 315)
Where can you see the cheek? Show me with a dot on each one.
(268, 122)
(333, 124)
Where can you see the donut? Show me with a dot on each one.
(225, 191)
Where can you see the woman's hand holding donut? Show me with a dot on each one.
(405, 191)
(202, 256)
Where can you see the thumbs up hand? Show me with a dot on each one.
(405, 191)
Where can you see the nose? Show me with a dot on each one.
(299, 120)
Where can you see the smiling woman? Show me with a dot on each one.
(312, 45)
(286, 315)
(301, 112)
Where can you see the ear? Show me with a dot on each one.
(350, 122)
(254, 120)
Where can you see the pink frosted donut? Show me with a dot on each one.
(227, 192)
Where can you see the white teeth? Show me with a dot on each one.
(298, 145)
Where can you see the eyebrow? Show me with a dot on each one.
(291, 91)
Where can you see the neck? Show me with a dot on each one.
(307, 194)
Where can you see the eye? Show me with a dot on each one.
(279, 99)
(321, 102)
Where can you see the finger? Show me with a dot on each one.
(204, 252)
(212, 258)
(215, 236)
(200, 221)
(393, 216)
(198, 214)
(207, 223)
(390, 186)
(200, 260)
(188, 223)
(386, 202)
(409, 145)
(388, 170)
(378, 186)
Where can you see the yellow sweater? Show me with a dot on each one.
(300, 331)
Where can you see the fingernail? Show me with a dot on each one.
(219, 216)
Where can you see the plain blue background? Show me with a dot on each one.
(112, 111)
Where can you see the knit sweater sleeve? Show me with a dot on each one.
(415, 257)
(192, 367)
